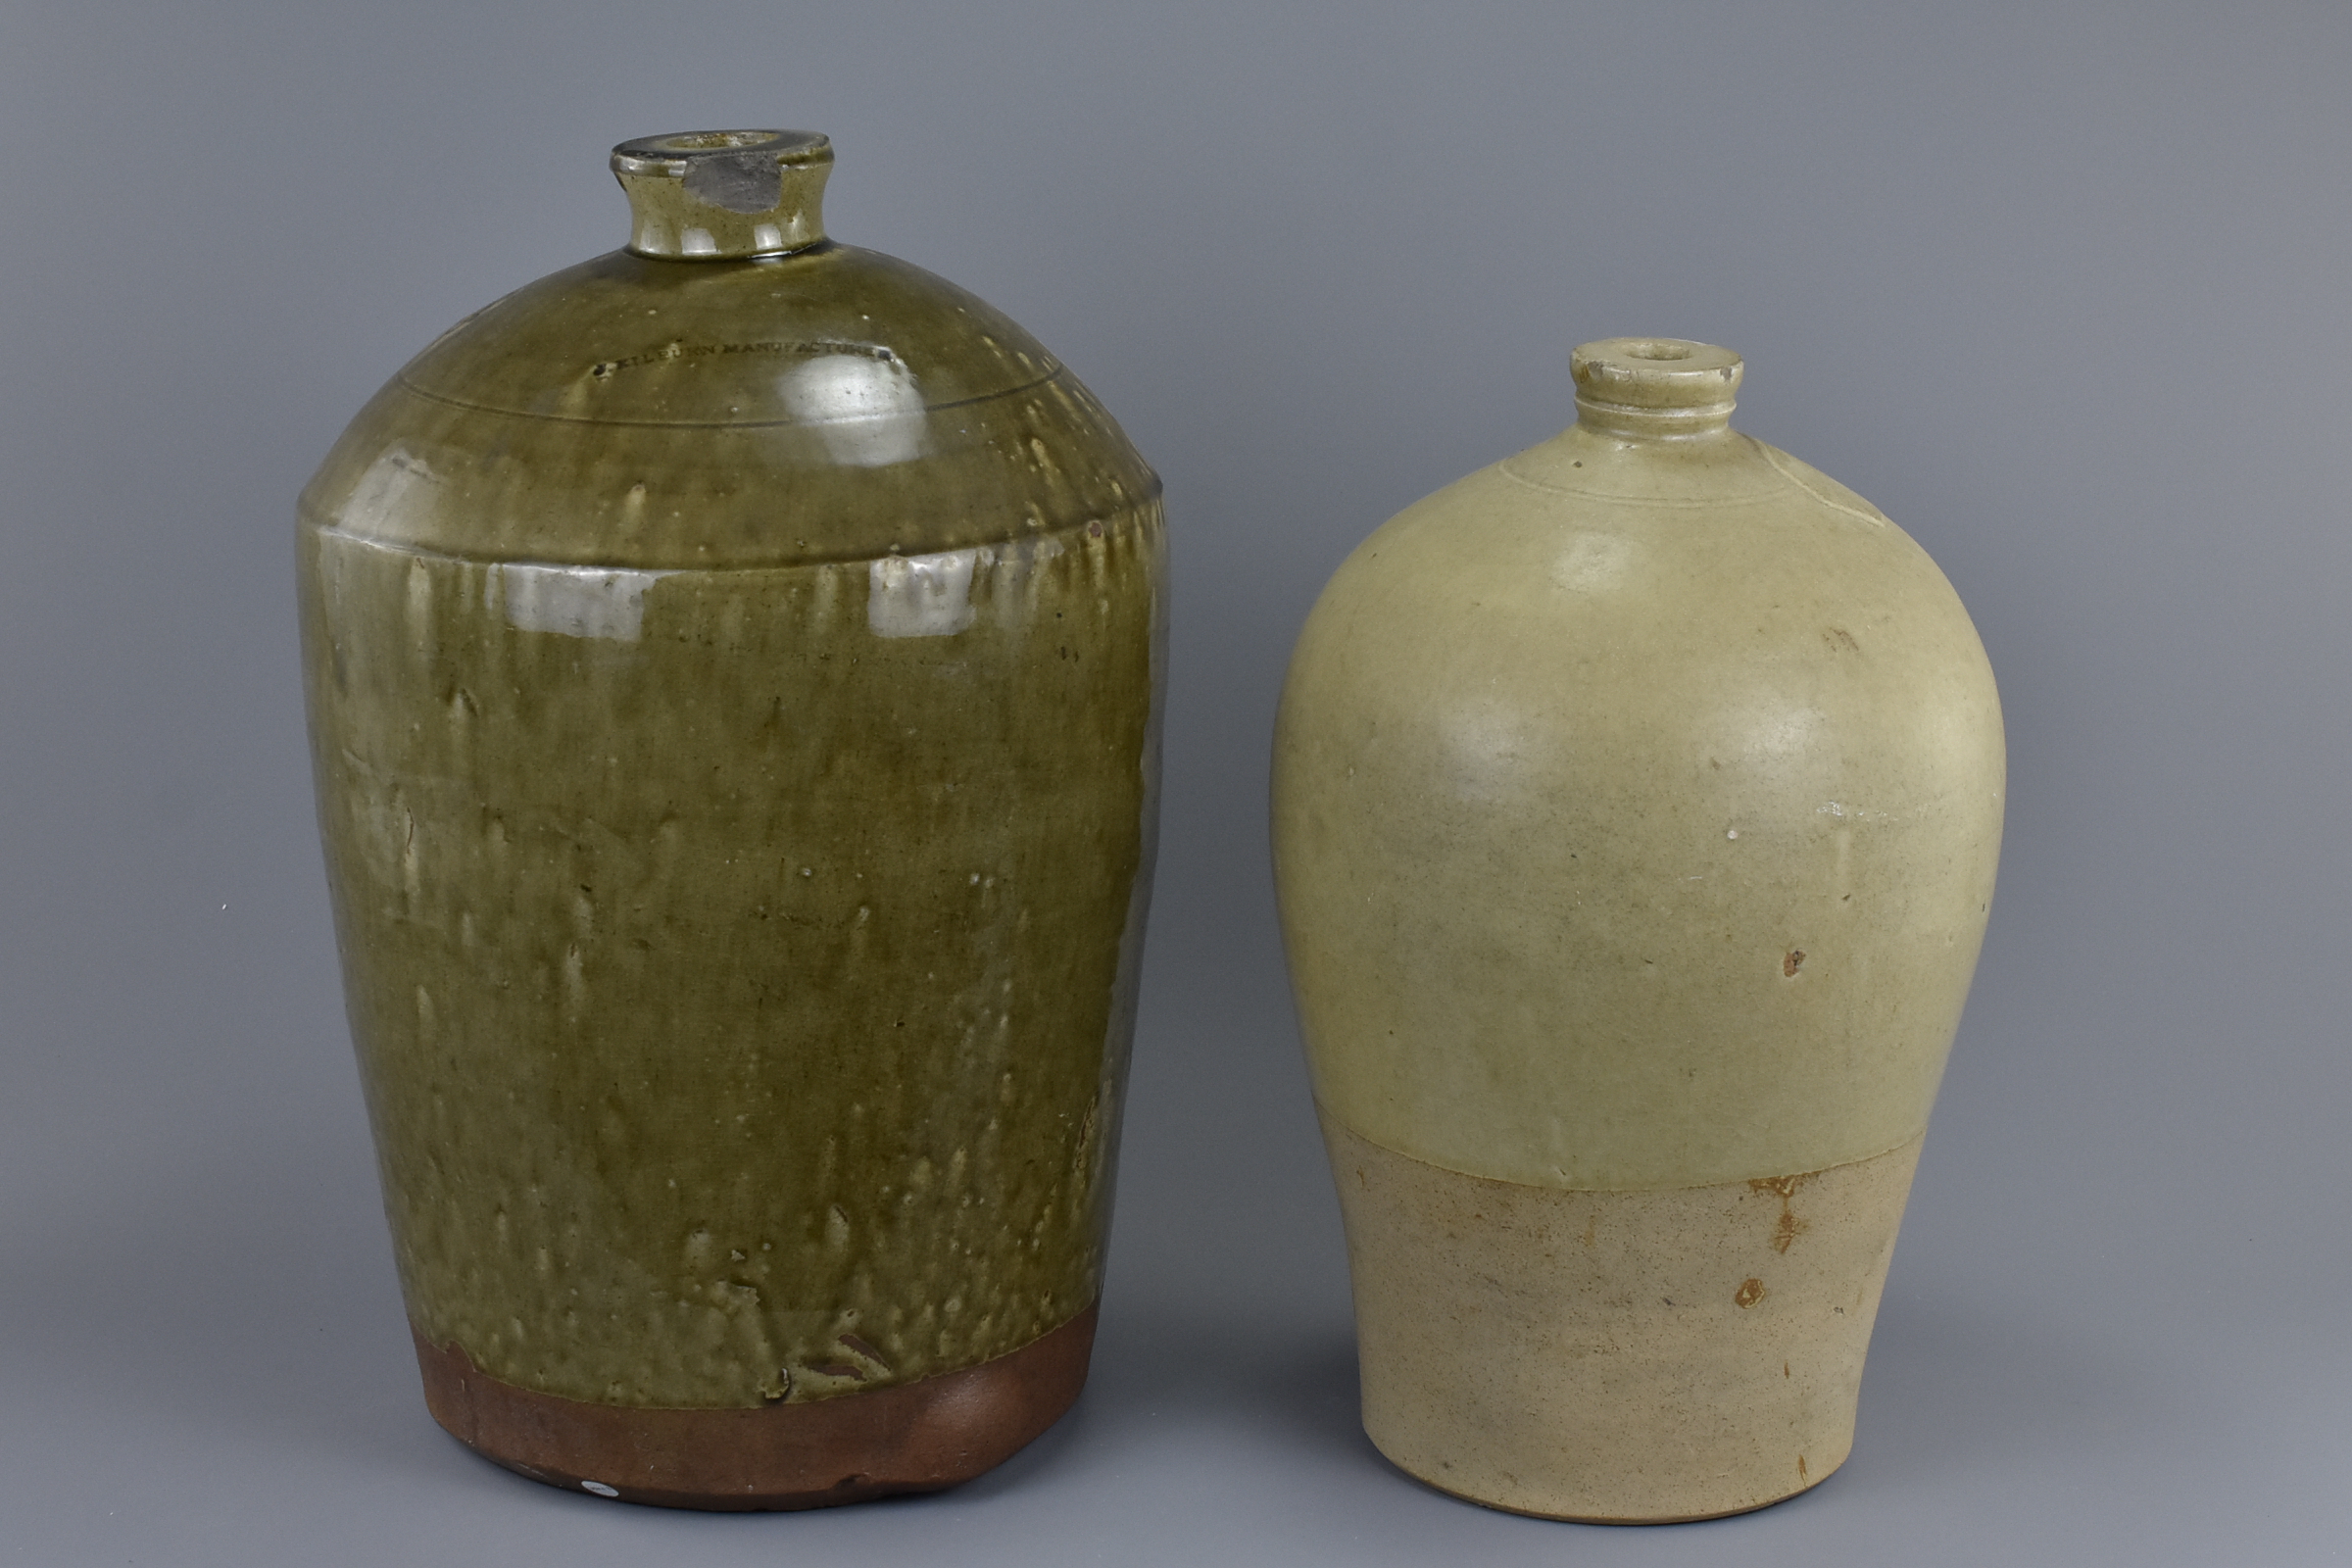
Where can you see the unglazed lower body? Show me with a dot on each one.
(1631, 1358)
(923, 1435)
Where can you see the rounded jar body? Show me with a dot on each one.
(733, 670)
(1637, 801)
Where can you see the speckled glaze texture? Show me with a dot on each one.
(733, 670)
(1637, 801)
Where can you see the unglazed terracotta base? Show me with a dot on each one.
(1629, 1358)
(923, 1435)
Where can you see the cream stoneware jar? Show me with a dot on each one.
(1637, 801)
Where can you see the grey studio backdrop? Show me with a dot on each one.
(2063, 288)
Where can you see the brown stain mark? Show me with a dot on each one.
(1785, 1372)
(1590, 1221)
(1838, 638)
(1793, 963)
(1800, 1468)
(1751, 1291)
(1788, 1228)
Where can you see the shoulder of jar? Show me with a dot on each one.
(423, 472)
(1787, 535)
(629, 338)
(1578, 479)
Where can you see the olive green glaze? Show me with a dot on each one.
(725, 193)
(733, 688)
(1635, 807)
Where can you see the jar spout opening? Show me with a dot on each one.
(721, 195)
(1654, 388)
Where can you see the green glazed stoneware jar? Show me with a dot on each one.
(1636, 808)
(733, 666)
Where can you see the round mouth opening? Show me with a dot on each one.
(1656, 381)
(704, 141)
(695, 146)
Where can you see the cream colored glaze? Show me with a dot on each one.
(1615, 1357)
(1635, 808)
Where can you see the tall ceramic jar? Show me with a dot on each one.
(732, 666)
(1636, 808)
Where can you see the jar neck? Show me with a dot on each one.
(1627, 421)
(1654, 389)
(721, 195)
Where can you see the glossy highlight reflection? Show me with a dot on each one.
(738, 779)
